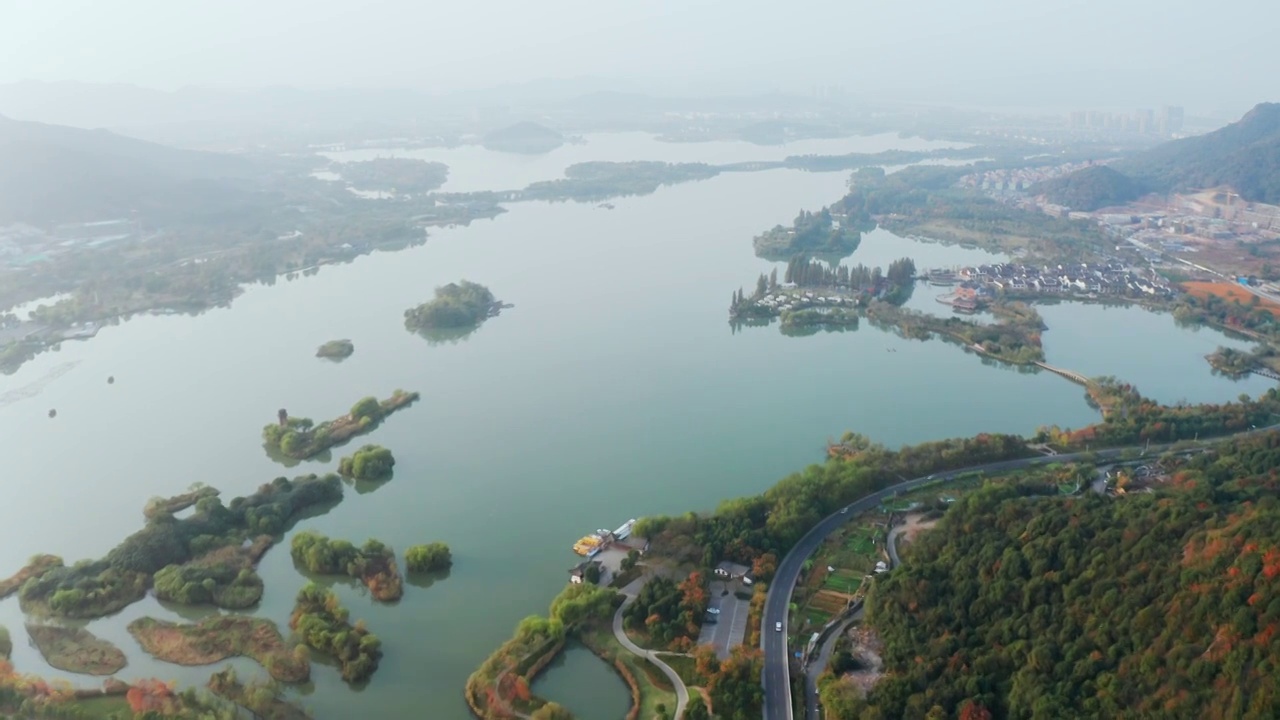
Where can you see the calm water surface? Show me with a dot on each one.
(615, 388)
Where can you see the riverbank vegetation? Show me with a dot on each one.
(1077, 608)
(373, 563)
(455, 306)
(219, 637)
(431, 557)
(924, 200)
(369, 463)
(322, 623)
(1129, 418)
(262, 699)
(499, 688)
(336, 350)
(100, 587)
(76, 650)
(299, 438)
(6, 643)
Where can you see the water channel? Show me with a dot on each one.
(614, 388)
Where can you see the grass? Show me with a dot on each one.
(102, 708)
(685, 667)
(76, 650)
(602, 642)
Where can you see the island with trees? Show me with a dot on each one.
(373, 563)
(299, 438)
(523, 137)
(432, 557)
(95, 588)
(336, 350)
(815, 233)
(370, 463)
(218, 637)
(322, 622)
(457, 306)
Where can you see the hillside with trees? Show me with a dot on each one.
(1151, 605)
(523, 137)
(51, 173)
(1091, 188)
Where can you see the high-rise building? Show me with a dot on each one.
(1171, 119)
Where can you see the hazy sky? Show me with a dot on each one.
(1204, 55)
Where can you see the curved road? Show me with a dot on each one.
(682, 693)
(776, 676)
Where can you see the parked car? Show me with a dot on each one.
(714, 611)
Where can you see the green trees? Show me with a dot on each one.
(735, 690)
(429, 557)
(366, 409)
(552, 711)
(670, 613)
(1149, 605)
(371, 462)
(6, 644)
(456, 305)
(300, 438)
(321, 621)
(374, 563)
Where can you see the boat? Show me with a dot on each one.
(588, 543)
(624, 532)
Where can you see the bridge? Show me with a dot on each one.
(1266, 372)
(1072, 375)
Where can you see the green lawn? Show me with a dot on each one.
(684, 666)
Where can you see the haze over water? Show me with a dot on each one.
(614, 388)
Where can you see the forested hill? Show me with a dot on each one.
(1091, 188)
(1151, 605)
(1244, 155)
(51, 173)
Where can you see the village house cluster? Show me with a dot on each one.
(1083, 278)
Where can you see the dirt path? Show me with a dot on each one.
(911, 526)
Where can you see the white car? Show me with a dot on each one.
(777, 626)
(714, 611)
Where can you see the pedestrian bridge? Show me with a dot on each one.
(1071, 375)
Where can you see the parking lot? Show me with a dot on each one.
(731, 624)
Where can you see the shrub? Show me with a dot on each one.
(425, 558)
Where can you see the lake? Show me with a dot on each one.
(615, 388)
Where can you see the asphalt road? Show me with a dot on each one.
(777, 688)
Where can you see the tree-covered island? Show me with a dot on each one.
(818, 233)
(456, 306)
(370, 462)
(431, 557)
(322, 623)
(373, 563)
(300, 438)
(336, 350)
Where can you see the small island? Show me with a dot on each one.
(374, 563)
(456, 306)
(370, 462)
(219, 637)
(523, 137)
(6, 643)
(336, 350)
(428, 558)
(322, 623)
(299, 438)
(225, 577)
(812, 233)
(76, 650)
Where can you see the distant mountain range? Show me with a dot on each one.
(1244, 155)
(51, 173)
